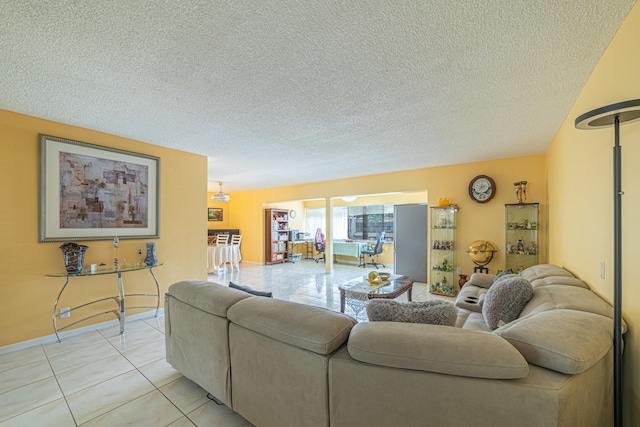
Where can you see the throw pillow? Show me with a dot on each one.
(251, 291)
(435, 312)
(505, 299)
(502, 273)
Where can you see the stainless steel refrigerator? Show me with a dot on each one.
(410, 238)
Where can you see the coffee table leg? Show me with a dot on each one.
(341, 301)
(409, 293)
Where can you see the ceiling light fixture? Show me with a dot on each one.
(220, 196)
(349, 198)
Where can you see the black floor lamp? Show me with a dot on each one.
(614, 115)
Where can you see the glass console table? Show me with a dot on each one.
(119, 299)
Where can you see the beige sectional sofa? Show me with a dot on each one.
(280, 363)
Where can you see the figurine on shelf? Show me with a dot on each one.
(520, 246)
(521, 190)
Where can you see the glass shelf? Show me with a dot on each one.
(442, 279)
(521, 235)
(119, 310)
(106, 270)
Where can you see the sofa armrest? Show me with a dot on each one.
(435, 348)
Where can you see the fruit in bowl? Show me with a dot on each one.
(374, 278)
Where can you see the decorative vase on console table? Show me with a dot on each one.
(73, 256)
(151, 258)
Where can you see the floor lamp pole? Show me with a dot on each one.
(615, 115)
(617, 276)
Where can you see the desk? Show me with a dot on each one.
(308, 247)
(119, 299)
(219, 256)
(349, 248)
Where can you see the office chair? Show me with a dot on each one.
(377, 249)
(320, 245)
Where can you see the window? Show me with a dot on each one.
(367, 222)
(354, 222)
(316, 219)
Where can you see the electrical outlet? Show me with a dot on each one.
(458, 270)
(602, 269)
(65, 312)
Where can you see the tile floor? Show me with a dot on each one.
(102, 378)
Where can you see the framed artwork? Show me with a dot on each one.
(215, 214)
(91, 192)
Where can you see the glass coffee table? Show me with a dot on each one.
(357, 292)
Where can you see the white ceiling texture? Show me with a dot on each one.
(280, 92)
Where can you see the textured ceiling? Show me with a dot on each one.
(286, 92)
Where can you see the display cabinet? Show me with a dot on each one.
(276, 230)
(443, 251)
(521, 236)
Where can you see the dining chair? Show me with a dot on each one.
(234, 260)
(222, 239)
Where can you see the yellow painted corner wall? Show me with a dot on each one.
(580, 179)
(226, 214)
(28, 295)
(475, 221)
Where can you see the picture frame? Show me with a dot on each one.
(91, 192)
(215, 214)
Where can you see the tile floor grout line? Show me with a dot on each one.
(64, 395)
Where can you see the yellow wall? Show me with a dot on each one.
(580, 165)
(27, 294)
(226, 214)
(476, 221)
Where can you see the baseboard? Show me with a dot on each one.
(73, 332)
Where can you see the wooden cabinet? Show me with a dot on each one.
(276, 235)
(443, 251)
(521, 224)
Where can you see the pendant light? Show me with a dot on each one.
(220, 196)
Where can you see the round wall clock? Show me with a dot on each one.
(292, 214)
(482, 189)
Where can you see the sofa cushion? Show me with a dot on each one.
(505, 299)
(503, 273)
(436, 348)
(435, 312)
(482, 280)
(251, 291)
(567, 341)
(541, 271)
(207, 296)
(312, 328)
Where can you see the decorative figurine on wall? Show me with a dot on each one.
(521, 190)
